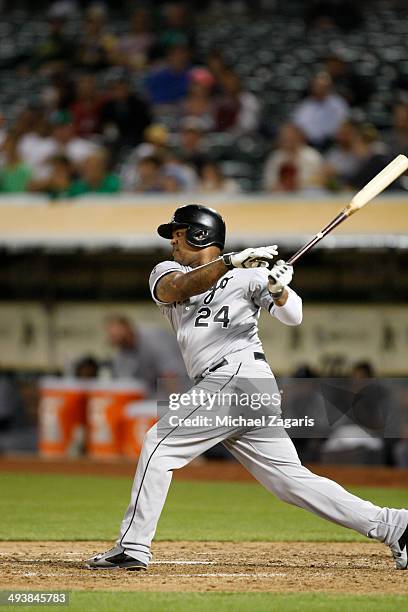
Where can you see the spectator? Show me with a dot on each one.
(18, 412)
(400, 452)
(26, 121)
(170, 176)
(199, 104)
(169, 84)
(294, 165)
(341, 161)
(178, 176)
(362, 370)
(217, 66)
(124, 116)
(372, 406)
(237, 110)
(86, 367)
(95, 177)
(320, 115)
(15, 174)
(172, 181)
(57, 184)
(55, 50)
(11, 405)
(177, 28)
(149, 175)
(133, 49)
(368, 414)
(192, 149)
(58, 94)
(370, 153)
(65, 142)
(397, 137)
(97, 43)
(141, 352)
(301, 397)
(352, 87)
(86, 107)
(156, 139)
(213, 180)
(155, 142)
(35, 144)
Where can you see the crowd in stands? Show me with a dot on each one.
(137, 112)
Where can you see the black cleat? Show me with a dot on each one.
(115, 559)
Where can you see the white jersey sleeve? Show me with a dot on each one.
(163, 268)
(289, 314)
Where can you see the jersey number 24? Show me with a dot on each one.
(221, 316)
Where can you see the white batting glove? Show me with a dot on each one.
(279, 278)
(260, 257)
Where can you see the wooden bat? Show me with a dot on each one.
(380, 182)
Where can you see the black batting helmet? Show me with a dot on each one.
(205, 227)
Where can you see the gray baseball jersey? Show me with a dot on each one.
(224, 319)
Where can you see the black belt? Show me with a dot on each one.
(223, 362)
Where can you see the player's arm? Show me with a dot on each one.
(286, 305)
(179, 286)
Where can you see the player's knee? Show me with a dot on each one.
(156, 452)
(285, 488)
(150, 440)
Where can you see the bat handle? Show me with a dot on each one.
(326, 230)
(305, 249)
(294, 258)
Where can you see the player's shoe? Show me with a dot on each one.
(400, 551)
(115, 558)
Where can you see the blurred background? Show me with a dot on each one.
(112, 114)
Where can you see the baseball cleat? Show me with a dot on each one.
(115, 559)
(400, 552)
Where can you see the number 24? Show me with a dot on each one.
(221, 316)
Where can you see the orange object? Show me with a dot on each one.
(62, 417)
(137, 419)
(105, 409)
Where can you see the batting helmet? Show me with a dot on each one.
(205, 227)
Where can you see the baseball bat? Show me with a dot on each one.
(380, 182)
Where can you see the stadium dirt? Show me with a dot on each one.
(364, 568)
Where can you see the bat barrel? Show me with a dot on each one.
(380, 182)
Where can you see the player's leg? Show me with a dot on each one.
(149, 491)
(274, 462)
(151, 484)
(166, 447)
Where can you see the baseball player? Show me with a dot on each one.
(213, 302)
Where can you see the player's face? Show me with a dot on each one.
(183, 252)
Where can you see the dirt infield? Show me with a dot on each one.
(208, 566)
(202, 470)
(365, 568)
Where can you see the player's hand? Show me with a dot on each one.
(279, 278)
(260, 257)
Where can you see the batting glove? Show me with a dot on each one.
(279, 278)
(251, 258)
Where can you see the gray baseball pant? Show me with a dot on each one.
(272, 460)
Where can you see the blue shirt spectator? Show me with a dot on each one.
(170, 83)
